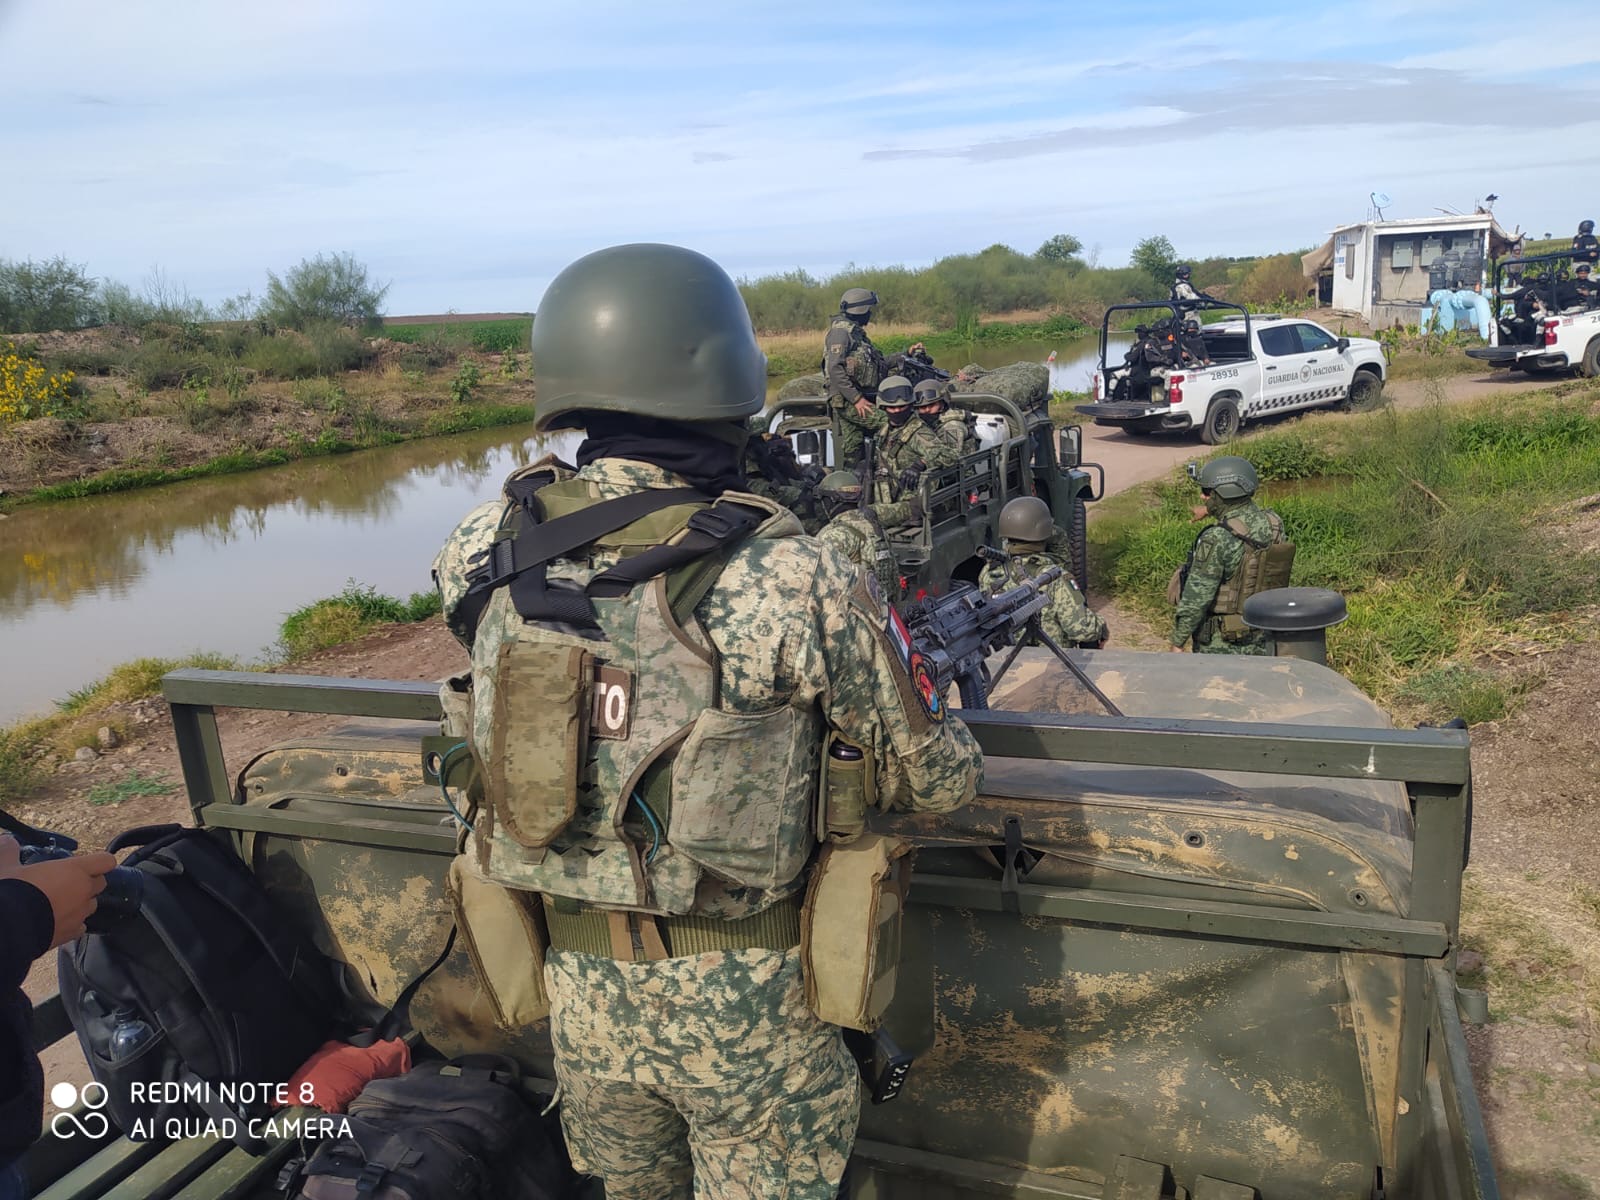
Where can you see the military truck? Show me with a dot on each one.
(1200, 951)
(1023, 454)
(1535, 331)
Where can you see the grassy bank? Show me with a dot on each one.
(1441, 528)
(28, 748)
(799, 352)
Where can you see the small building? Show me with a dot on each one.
(1385, 270)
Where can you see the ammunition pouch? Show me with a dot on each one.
(1175, 585)
(538, 738)
(850, 929)
(506, 939)
(848, 786)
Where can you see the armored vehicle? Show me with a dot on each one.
(1202, 950)
(1022, 454)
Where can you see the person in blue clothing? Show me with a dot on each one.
(44, 904)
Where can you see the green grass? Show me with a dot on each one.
(345, 617)
(130, 785)
(1428, 522)
(496, 337)
(136, 680)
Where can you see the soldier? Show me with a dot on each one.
(1184, 294)
(907, 448)
(770, 470)
(1026, 534)
(931, 398)
(1584, 288)
(1193, 345)
(852, 367)
(860, 532)
(1243, 553)
(1586, 247)
(671, 867)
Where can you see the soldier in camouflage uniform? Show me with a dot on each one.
(861, 534)
(909, 447)
(1217, 556)
(932, 400)
(687, 1057)
(851, 369)
(770, 470)
(1027, 532)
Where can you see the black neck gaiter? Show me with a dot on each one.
(710, 464)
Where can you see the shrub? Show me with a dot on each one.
(37, 297)
(1276, 281)
(348, 615)
(335, 349)
(283, 356)
(466, 379)
(330, 288)
(159, 364)
(28, 389)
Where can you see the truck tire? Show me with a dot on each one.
(1365, 394)
(1221, 423)
(1589, 368)
(1080, 544)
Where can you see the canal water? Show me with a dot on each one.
(216, 564)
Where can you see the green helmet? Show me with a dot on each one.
(929, 391)
(1026, 519)
(1230, 477)
(652, 330)
(894, 392)
(857, 302)
(839, 485)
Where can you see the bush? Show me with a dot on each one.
(28, 389)
(282, 356)
(1276, 281)
(335, 349)
(37, 297)
(159, 364)
(327, 289)
(348, 615)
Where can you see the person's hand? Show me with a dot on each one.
(863, 407)
(70, 884)
(909, 478)
(1198, 513)
(917, 348)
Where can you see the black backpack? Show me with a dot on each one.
(457, 1130)
(206, 984)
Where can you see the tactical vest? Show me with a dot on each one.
(1265, 565)
(862, 361)
(965, 424)
(610, 774)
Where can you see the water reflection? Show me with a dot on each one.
(215, 564)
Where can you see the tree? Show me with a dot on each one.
(1063, 249)
(1156, 258)
(38, 297)
(330, 288)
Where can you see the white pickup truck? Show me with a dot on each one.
(1545, 323)
(1260, 366)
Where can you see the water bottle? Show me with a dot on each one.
(129, 1035)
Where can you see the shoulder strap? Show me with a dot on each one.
(1237, 527)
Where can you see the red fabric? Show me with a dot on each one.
(337, 1072)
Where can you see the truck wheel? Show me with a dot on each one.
(1365, 394)
(1589, 368)
(1080, 544)
(1222, 423)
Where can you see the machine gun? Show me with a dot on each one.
(955, 632)
(1035, 631)
(916, 367)
(774, 458)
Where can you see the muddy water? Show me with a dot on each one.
(216, 564)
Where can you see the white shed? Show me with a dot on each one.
(1385, 270)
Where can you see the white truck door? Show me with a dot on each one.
(1281, 356)
(1325, 371)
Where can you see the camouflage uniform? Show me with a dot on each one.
(1216, 555)
(708, 1071)
(860, 537)
(852, 369)
(914, 447)
(1067, 619)
(954, 429)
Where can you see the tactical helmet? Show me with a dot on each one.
(1230, 477)
(1585, 226)
(1191, 326)
(839, 485)
(894, 392)
(929, 391)
(1581, 268)
(1026, 519)
(1184, 270)
(857, 302)
(647, 329)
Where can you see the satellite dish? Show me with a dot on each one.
(1381, 200)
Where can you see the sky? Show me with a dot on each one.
(467, 152)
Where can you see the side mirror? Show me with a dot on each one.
(1343, 344)
(1069, 446)
(807, 444)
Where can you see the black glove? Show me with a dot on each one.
(814, 474)
(909, 478)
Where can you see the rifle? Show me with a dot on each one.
(915, 367)
(864, 469)
(1035, 630)
(955, 632)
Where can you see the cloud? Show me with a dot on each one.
(710, 156)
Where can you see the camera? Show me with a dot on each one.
(1192, 470)
(124, 891)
